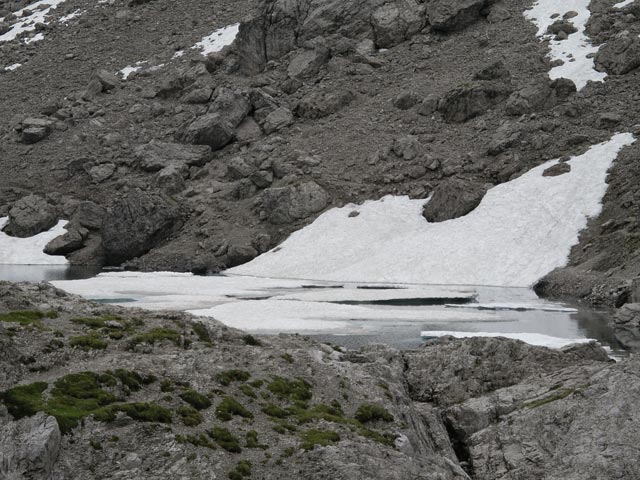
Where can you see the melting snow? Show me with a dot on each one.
(521, 230)
(128, 70)
(71, 16)
(13, 67)
(623, 3)
(29, 251)
(218, 39)
(576, 50)
(27, 23)
(530, 338)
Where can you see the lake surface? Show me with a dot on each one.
(350, 315)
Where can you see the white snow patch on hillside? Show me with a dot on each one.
(129, 69)
(530, 338)
(218, 39)
(67, 18)
(29, 251)
(13, 67)
(575, 50)
(623, 4)
(27, 22)
(521, 230)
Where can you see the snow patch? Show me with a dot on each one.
(67, 18)
(521, 230)
(217, 40)
(29, 251)
(531, 338)
(129, 69)
(27, 21)
(13, 67)
(576, 51)
(623, 3)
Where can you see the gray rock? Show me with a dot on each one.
(449, 15)
(307, 63)
(171, 179)
(89, 215)
(282, 26)
(156, 155)
(494, 71)
(429, 105)
(321, 104)
(262, 178)
(559, 168)
(277, 120)
(248, 131)
(136, 223)
(108, 81)
(620, 55)
(239, 254)
(583, 425)
(453, 198)
(102, 172)
(29, 216)
(466, 102)
(506, 136)
(394, 22)
(285, 205)
(407, 147)
(626, 326)
(541, 95)
(69, 242)
(198, 96)
(29, 447)
(210, 129)
(231, 105)
(35, 129)
(405, 101)
(238, 168)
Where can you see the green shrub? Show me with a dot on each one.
(368, 412)
(311, 438)
(88, 342)
(251, 340)
(295, 389)
(248, 391)
(167, 386)
(242, 470)
(140, 411)
(24, 317)
(252, 440)
(275, 411)
(225, 439)
(190, 416)
(229, 407)
(201, 331)
(156, 335)
(227, 377)
(195, 399)
(24, 400)
(287, 357)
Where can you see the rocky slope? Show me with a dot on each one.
(196, 163)
(93, 391)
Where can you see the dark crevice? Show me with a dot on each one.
(459, 445)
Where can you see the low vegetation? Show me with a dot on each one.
(311, 438)
(195, 399)
(227, 377)
(156, 335)
(89, 342)
(369, 412)
(230, 407)
(225, 439)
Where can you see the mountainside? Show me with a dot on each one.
(197, 163)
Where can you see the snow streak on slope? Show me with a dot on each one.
(576, 51)
(27, 23)
(522, 230)
(29, 251)
(218, 39)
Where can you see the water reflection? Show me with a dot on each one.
(45, 273)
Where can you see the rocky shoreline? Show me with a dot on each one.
(95, 391)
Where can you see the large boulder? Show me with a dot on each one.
(136, 223)
(577, 424)
(287, 204)
(69, 242)
(468, 101)
(318, 104)
(284, 25)
(210, 129)
(29, 447)
(156, 155)
(620, 55)
(29, 216)
(217, 127)
(453, 198)
(626, 326)
(449, 15)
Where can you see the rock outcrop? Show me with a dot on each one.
(29, 216)
(453, 198)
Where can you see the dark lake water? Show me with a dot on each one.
(45, 273)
